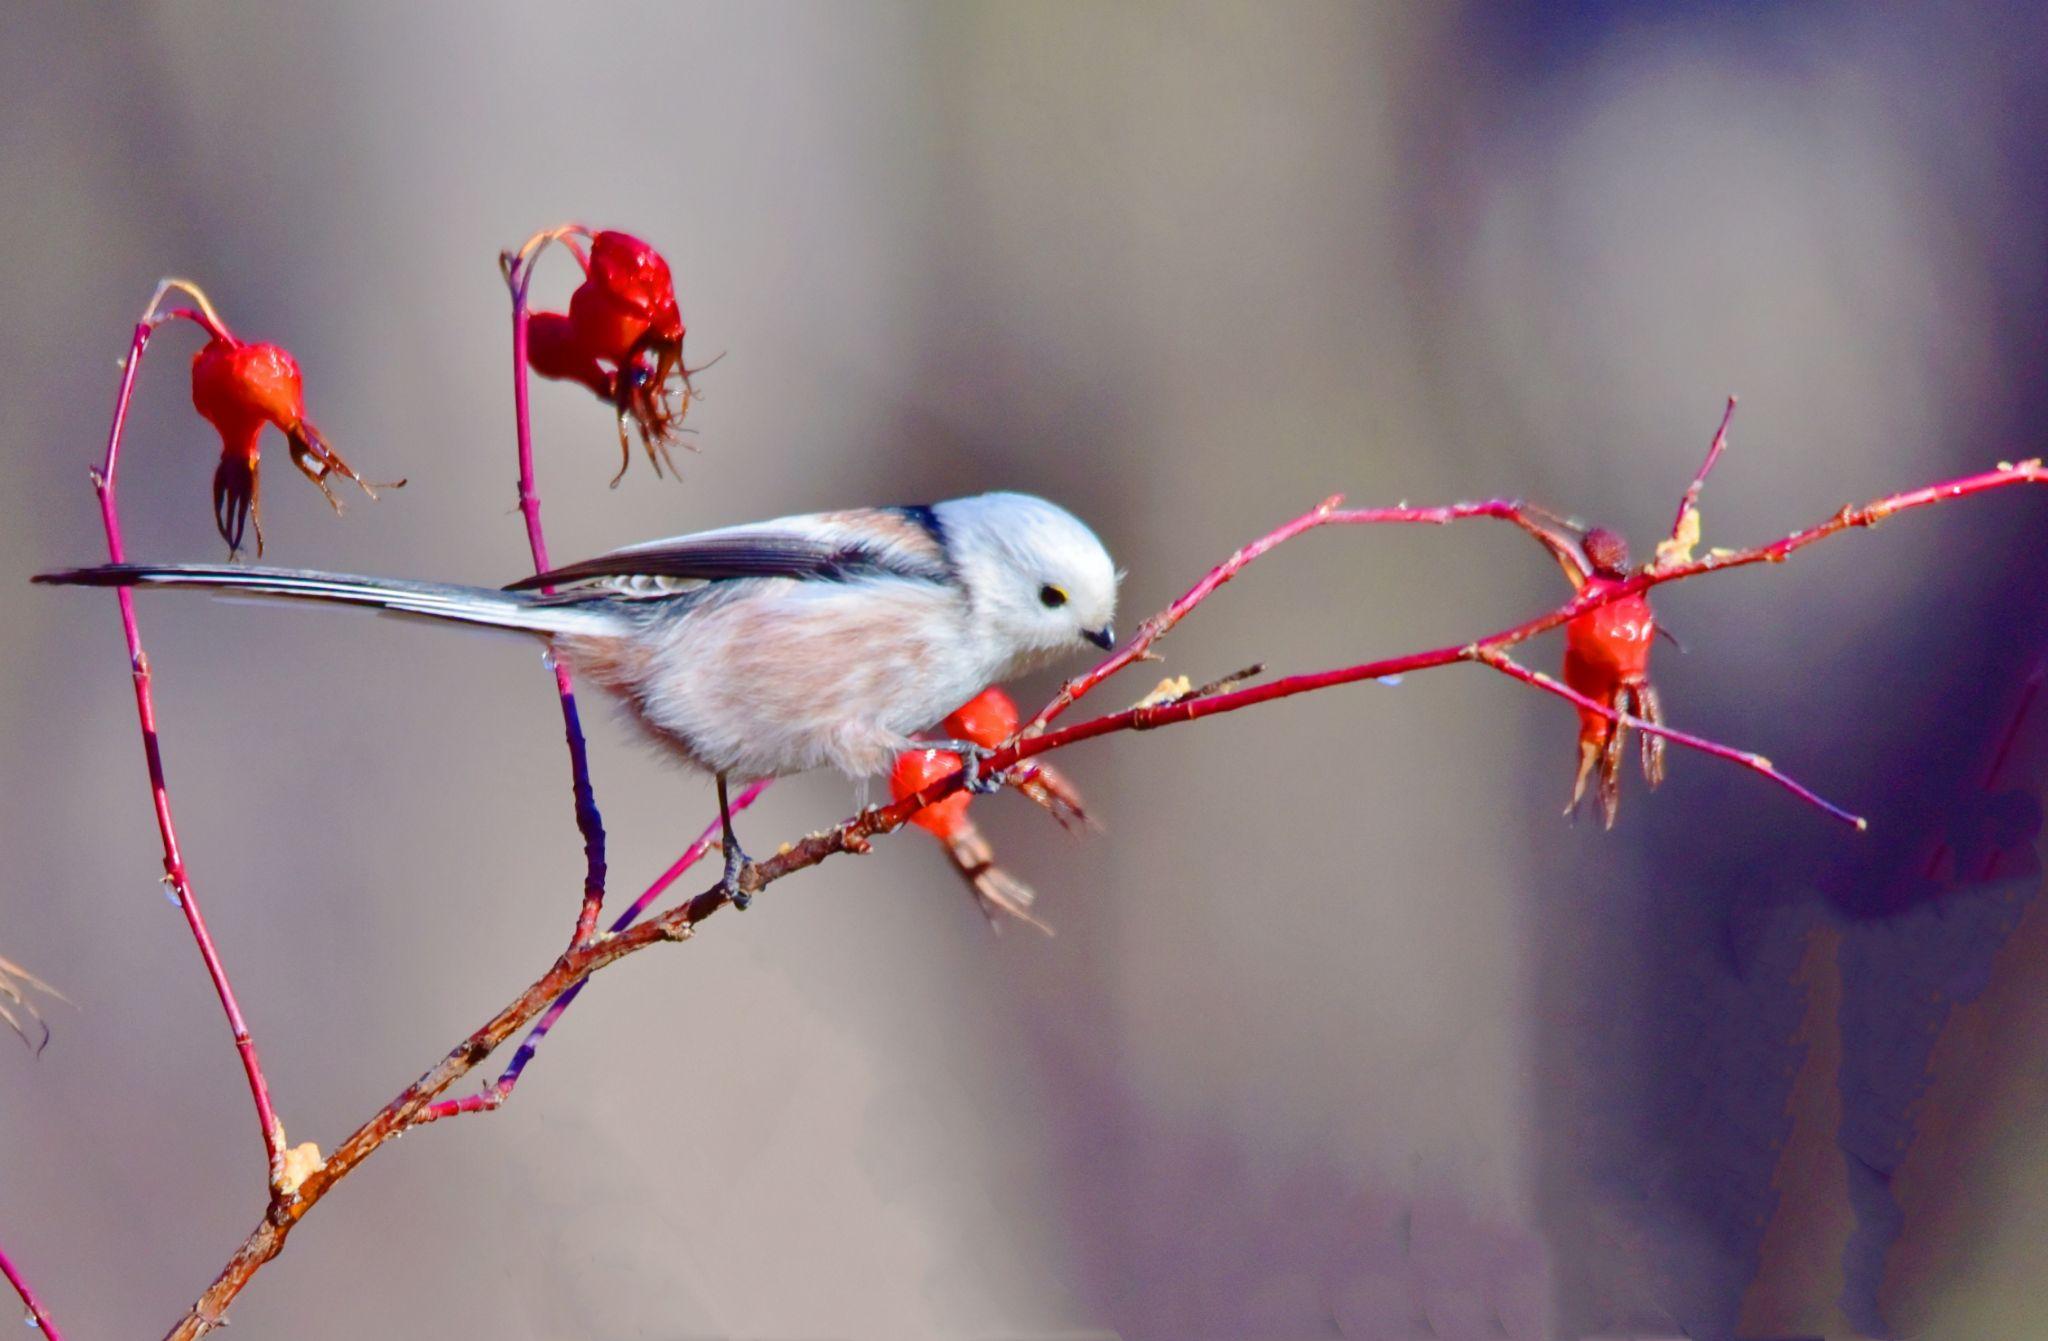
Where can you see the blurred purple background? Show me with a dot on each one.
(1345, 1032)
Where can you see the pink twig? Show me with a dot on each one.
(104, 483)
(589, 821)
(36, 1311)
(1510, 510)
(499, 1090)
(1159, 625)
(1749, 759)
(1325, 513)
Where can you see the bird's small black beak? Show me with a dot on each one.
(1104, 637)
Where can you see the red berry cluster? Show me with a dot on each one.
(623, 338)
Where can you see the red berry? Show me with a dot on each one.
(1607, 658)
(918, 769)
(1610, 646)
(988, 719)
(637, 276)
(553, 349)
(242, 387)
(239, 388)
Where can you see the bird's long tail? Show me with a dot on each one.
(523, 611)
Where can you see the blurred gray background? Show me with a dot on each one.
(1344, 1031)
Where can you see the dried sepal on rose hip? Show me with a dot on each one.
(241, 387)
(997, 891)
(1607, 658)
(622, 337)
(988, 720)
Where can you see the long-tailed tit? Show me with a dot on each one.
(760, 650)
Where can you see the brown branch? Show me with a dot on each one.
(493, 1096)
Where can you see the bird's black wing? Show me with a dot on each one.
(826, 546)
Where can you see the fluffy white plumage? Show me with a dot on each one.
(760, 650)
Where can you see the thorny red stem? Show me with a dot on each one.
(105, 485)
(589, 821)
(501, 1089)
(680, 923)
(35, 1308)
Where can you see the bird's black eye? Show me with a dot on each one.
(1051, 597)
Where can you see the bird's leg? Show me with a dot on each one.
(971, 757)
(736, 859)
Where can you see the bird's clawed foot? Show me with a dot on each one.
(736, 859)
(736, 863)
(973, 760)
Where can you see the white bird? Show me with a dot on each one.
(761, 650)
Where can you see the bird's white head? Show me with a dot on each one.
(1040, 581)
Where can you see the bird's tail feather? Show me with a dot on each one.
(428, 600)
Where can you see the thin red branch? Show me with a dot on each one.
(1159, 625)
(1567, 555)
(1325, 513)
(105, 485)
(589, 821)
(1749, 759)
(38, 1315)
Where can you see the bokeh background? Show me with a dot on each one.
(1345, 1031)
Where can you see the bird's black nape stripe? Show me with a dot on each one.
(926, 518)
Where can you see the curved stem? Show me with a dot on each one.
(205, 317)
(589, 820)
(104, 483)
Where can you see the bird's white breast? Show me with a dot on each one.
(778, 675)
